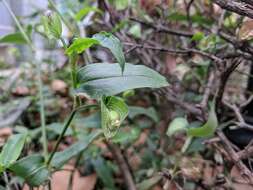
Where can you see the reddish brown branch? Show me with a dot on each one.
(235, 157)
(165, 92)
(238, 7)
(250, 2)
(174, 51)
(246, 153)
(224, 78)
(207, 91)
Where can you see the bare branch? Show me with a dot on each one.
(163, 29)
(174, 51)
(122, 165)
(248, 1)
(235, 158)
(238, 7)
(207, 91)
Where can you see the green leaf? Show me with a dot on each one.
(14, 38)
(176, 125)
(91, 121)
(198, 36)
(104, 172)
(196, 145)
(126, 136)
(106, 79)
(128, 94)
(231, 21)
(44, 22)
(29, 30)
(148, 183)
(12, 150)
(2, 169)
(80, 45)
(52, 25)
(113, 112)
(63, 157)
(57, 128)
(135, 30)
(121, 4)
(114, 45)
(208, 128)
(32, 169)
(83, 12)
(149, 112)
(120, 25)
(209, 43)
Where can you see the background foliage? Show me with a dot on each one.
(127, 94)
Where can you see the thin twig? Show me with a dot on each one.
(246, 102)
(174, 51)
(235, 157)
(246, 153)
(235, 109)
(163, 29)
(241, 121)
(122, 165)
(243, 46)
(224, 78)
(188, 8)
(207, 91)
(248, 1)
(165, 92)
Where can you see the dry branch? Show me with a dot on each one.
(238, 7)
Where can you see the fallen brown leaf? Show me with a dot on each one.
(59, 86)
(5, 132)
(21, 91)
(246, 30)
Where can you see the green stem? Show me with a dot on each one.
(63, 43)
(73, 64)
(72, 60)
(42, 111)
(27, 39)
(38, 70)
(186, 144)
(67, 124)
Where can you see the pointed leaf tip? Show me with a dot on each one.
(111, 42)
